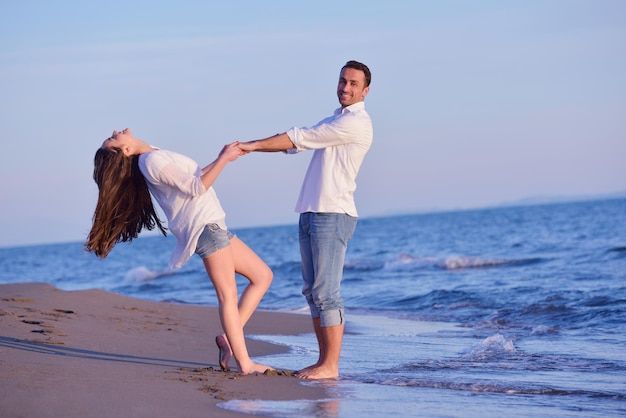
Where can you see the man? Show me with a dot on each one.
(326, 205)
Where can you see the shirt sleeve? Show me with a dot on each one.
(179, 174)
(329, 132)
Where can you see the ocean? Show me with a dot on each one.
(509, 311)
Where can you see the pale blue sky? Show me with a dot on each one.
(474, 103)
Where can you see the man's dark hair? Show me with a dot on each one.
(360, 66)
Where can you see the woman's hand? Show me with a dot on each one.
(231, 151)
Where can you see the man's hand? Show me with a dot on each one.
(245, 147)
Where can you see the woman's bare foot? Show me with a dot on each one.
(254, 368)
(225, 351)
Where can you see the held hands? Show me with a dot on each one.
(245, 147)
(232, 151)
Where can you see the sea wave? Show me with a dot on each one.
(142, 274)
(407, 262)
(439, 299)
(456, 263)
(487, 367)
(492, 347)
(503, 387)
(362, 265)
(498, 352)
(618, 253)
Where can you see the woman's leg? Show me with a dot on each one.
(220, 267)
(252, 267)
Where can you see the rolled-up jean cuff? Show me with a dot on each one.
(332, 318)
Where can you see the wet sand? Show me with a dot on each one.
(93, 353)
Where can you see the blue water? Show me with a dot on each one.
(516, 311)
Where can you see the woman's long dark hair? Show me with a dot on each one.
(124, 203)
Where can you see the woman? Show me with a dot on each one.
(127, 170)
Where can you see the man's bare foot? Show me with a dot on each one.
(306, 369)
(225, 351)
(319, 372)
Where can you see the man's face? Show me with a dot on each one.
(351, 88)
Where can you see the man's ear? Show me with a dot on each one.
(365, 91)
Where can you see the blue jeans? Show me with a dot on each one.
(323, 243)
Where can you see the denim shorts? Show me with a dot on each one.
(213, 238)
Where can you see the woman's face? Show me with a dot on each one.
(119, 140)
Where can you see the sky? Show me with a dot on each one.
(474, 103)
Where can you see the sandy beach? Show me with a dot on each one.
(93, 353)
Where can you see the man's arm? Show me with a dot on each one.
(278, 142)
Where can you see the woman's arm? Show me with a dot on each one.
(229, 153)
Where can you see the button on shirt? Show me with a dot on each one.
(340, 143)
(174, 181)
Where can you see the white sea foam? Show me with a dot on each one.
(491, 347)
(140, 274)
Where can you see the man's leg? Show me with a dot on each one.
(308, 277)
(330, 340)
(327, 242)
(317, 327)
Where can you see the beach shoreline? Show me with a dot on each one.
(93, 353)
